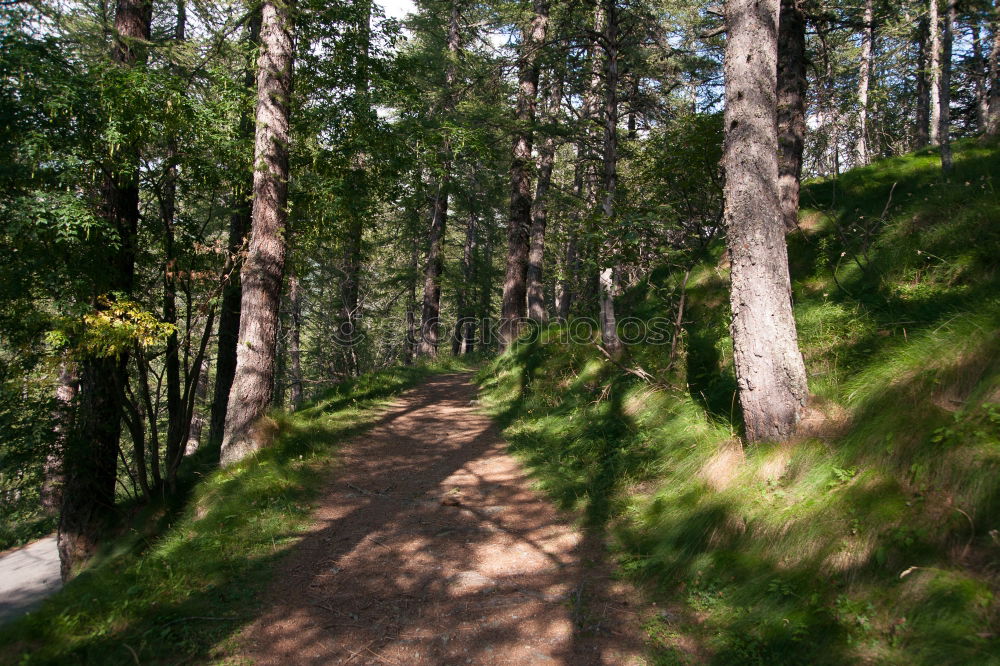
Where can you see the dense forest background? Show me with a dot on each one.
(440, 184)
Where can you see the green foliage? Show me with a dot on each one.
(868, 537)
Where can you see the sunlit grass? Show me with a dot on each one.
(872, 536)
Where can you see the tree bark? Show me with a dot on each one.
(608, 280)
(935, 30)
(539, 213)
(769, 368)
(944, 128)
(791, 107)
(197, 416)
(463, 341)
(360, 209)
(922, 133)
(90, 463)
(66, 389)
(253, 383)
(864, 81)
(514, 304)
(980, 75)
(232, 291)
(431, 309)
(295, 338)
(993, 107)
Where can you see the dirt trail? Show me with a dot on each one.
(429, 547)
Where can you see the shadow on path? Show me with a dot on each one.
(430, 547)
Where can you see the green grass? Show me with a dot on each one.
(871, 537)
(177, 592)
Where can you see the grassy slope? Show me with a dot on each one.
(872, 536)
(178, 595)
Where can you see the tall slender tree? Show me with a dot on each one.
(769, 367)
(791, 107)
(253, 383)
(864, 81)
(934, 25)
(514, 304)
(239, 226)
(608, 277)
(944, 120)
(540, 206)
(922, 131)
(431, 309)
(993, 106)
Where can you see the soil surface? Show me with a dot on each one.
(430, 547)
(27, 576)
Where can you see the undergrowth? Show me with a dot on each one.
(177, 592)
(872, 536)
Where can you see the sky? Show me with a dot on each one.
(397, 8)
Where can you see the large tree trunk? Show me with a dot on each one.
(993, 111)
(514, 304)
(922, 132)
(539, 213)
(769, 367)
(62, 417)
(232, 291)
(935, 67)
(944, 128)
(791, 107)
(608, 280)
(431, 310)
(91, 461)
(864, 81)
(253, 383)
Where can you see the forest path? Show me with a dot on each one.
(27, 576)
(430, 547)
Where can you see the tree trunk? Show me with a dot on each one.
(944, 128)
(980, 75)
(465, 322)
(935, 30)
(608, 281)
(90, 464)
(993, 111)
(360, 209)
(922, 133)
(569, 269)
(197, 415)
(539, 213)
(51, 492)
(485, 291)
(295, 337)
(864, 81)
(514, 302)
(232, 291)
(791, 107)
(253, 383)
(431, 310)
(769, 368)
